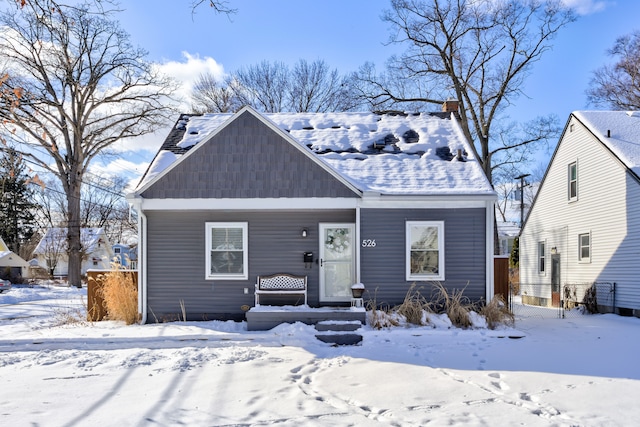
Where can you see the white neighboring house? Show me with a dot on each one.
(513, 203)
(584, 224)
(507, 232)
(51, 252)
(11, 264)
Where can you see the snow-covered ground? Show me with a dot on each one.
(580, 371)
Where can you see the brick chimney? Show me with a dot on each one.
(450, 106)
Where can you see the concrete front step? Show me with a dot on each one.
(263, 318)
(338, 332)
(340, 339)
(333, 325)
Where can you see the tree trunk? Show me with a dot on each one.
(73, 234)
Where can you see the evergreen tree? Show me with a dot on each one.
(17, 223)
(514, 258)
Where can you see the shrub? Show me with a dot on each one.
(514, 281)
(590, 300)
(64, 316)
(120, 295)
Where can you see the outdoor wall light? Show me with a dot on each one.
(304, 232)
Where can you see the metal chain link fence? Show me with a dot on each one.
(561, 301)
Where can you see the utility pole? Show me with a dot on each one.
(521, 178)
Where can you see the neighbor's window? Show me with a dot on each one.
(584, 247)
(227, 250)
(541, 257)
(425, 250)
(573, 181)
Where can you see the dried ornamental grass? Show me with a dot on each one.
(413, 307)
(456, 305)
(120, 294)
(497, 313)
(378, 318)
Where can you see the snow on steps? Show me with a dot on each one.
(339, 332)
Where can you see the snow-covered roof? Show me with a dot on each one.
(508, 229)
(56, 239)
(619, 131)
(10, 259)
(397, 154)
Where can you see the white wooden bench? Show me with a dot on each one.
(281, 284)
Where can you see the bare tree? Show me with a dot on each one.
(74, 86)
(102, 205)
(514, 144)
(314, 88)
(617, 85)
(212, 96)
(475, 52)
(52, 206)
(53, 248)
(274, 87)
(263, 86)
(220, 6)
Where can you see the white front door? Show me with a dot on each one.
(337, 262)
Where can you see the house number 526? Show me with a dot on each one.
(368, 243)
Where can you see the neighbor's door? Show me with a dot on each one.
(337, 262)
(555, 280)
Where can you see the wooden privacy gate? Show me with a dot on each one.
(96, 310)
(501, 277)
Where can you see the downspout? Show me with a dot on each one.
(142, 296)
(136, 203)
(357, 242)
(489, 250)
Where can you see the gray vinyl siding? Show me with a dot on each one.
(247, 159)
(383, 266)
(176, 259)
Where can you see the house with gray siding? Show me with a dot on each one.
(583, 226)
(387, 200)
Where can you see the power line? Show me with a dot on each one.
(88, 183)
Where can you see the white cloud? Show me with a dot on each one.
(187, 72)
(586, 7)
(149, 143)
(120, 167)
(139, 151)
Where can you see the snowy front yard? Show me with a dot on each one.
(579, 371)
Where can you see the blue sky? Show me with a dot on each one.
(345, 34)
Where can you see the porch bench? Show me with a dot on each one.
(281, 284)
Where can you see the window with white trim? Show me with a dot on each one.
(227, 252)
(584, 247)
(541, 257)
(573, 182)
(425, 250)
